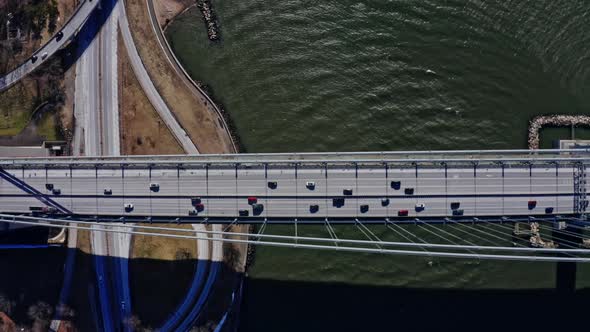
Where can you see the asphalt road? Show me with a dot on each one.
(52, 46)
(488, 193)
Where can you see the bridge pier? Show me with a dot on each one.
(565, 272)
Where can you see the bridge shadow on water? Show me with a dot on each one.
(271, 305)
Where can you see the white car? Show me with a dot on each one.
(420, 207)
(43, 56)
(154, 186)
(310, 185)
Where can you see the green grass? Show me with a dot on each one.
(47, 126)
(16, 105)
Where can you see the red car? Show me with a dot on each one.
(402, 213)
(252, 200)
(199, 207)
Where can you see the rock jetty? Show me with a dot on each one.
(209, 18)
(553, 121)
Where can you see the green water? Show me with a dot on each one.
(392, 75)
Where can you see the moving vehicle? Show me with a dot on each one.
(364, 208)
(43, 56)
(193, 212)
(532, 204)
(33, 59)
(458, 212)
(347, 192)
(200, 207)
(396, 185)
(310, 185)
(128, 207)
(56, 191)
(155, 187)
(455, 205)
(252, 200)
(49, 186)
(548, 210)
(108, 191)
(409, 191)
(272, 184)
(59, 36)
(338, 202)
(402, 213)
(257, 209)
(384, 201)
(42, 209)
(419, 207)
(195, 200)
(244, 213)
(314, 208)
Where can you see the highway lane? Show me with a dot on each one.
(69, 30)
(223, 194)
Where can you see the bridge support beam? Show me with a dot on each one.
(565, 272)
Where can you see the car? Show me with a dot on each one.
(56, 191)
(195, 200)
(396, 185)
(532, 204)
(257, 209)
(338, 202)
(244, 213)
(458, 212)
(33, 59)
(128, 207)
(402, 213)
(49, 209)
(548, 210)
(272, 184)
(384, 201)
(108, 191)
(314, 208)
(252, 200)
(193, 212)
(455, 205)
(155, 187)
(49, 186)
(200, 207)
(347, 192)
(419, 207)
(409, 191)
(59, 36)
(310, 185)
(43, 56)
(364, 208)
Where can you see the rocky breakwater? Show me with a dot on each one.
(209, 18)
(553, 121)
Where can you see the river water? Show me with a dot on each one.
(339, 75)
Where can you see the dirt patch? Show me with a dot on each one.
(164, 248)
(167, 10)
(142, 130)
(201, 123)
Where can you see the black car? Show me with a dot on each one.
(272, 184)
(195, 200)
(384, 201)
(549, 210)
(314, 208)
(257, 209)
(364, 208)
(457, 212)
(409, 191)
(33, 59)
(244, 213)
(455, 205)
(396, 185)
(59, 36)
(338, 202)
(56, 191)
(347, 192)
(49, 186)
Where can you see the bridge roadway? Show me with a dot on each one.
(483, 186)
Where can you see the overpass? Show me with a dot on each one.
(303, 188)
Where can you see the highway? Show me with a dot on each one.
(70, 29)
(485, 190)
